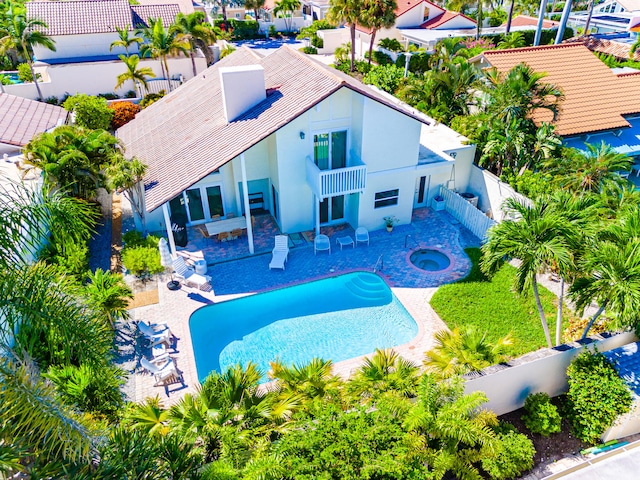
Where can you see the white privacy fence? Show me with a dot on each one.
(465, 213)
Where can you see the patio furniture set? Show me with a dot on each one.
(228, 229)
(161, 365)
(321, 243)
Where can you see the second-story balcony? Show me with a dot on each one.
(339, 181)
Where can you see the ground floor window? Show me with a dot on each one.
(387, 198)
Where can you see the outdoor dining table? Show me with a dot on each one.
(214, 228)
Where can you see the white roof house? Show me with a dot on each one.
(316, 146)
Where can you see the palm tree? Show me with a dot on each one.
(160, 42)
(109, 293)
(72, 157)
(133, 73)
(384, 371)
(590, 170)
(127, 177)
(194, 29)
(24, 33)
(311, 381)
(124, 40)
(611, 269)
(254, 5)
(285, 9)
(38, 297)
(378, 14)
(512, 40)
(453, 428)
(464, 350)
(536, 236)
(347, 11)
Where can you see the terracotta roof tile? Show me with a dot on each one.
(595, 97)
(602, 45)
(526, 21)
(443, 18)
(21, 119)
(96, 16)
(184, 136)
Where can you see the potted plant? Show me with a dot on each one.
(389, 222)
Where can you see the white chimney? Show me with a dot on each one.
(242, 88)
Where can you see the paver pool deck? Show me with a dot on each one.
(232, 278)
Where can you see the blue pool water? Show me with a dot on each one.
(334, 319)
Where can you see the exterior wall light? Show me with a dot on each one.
(301, 135)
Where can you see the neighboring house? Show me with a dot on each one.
(599, 105)
(312, 146)
(313, 10)
(21, 119)
(83, 32)
(525, 22)
(609, 16)
(419, 22)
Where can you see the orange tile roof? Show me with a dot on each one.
(21, 119)
(184, 136)
(526, 21)
(602, 45)
(443, 18)
(595, 97)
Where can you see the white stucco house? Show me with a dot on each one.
(310, 145)
(609, 16)
(83, 32)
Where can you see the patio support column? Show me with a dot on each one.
(167, 223)
(247, 207)
(542, 11)
(317, 215)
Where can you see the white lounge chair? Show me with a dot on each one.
(362, 235)
(280, 252)
(156, 333)
(320, 243)
(189, 276)
(162, 373)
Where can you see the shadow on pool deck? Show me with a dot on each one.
(428, 229)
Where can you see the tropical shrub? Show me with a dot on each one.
(310, 32)
(52, 100)
(72, 256)
(384, 77)
(92, 389)
(150, 98)
(513, 454)
(418, 63)
(24, 73)
(497, 17)
(309, 50)
(541, 415)
(391, 44)
(90, 112)
(130, 94)
(240, 29)
(109, 294)
(142, 261)
(379, 57)
(596, 396)
(123, 113)
(5, 80)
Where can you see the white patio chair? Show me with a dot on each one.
(189, 276)
(362, 235)
(156, 333)
(320, 243)
(280, 252)
(162, 373)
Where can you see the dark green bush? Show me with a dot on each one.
(596, 397)
(310, 32)
(150, 98)
(380, 58)
(513, 454)
(142, 261)
(418, 64)
(391, 44)
(240, 29)
(90, 112)
(384, 77)
(309, 50)
(53, 100)
(497, 17)
(542, 416)
(108, 96)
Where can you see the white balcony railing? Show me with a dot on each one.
(341, 181)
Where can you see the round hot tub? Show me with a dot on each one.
(430, 260)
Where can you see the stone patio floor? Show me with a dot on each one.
(234, 273)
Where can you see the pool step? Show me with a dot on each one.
(363, 287)
(367, 285)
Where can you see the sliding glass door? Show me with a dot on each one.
(199, 204)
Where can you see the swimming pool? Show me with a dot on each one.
(334, 319)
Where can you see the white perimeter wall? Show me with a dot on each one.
(96, 77)
(491, 191)
(70, 46)
(540, 371)
(333, 39)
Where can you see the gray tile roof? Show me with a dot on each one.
(626, 361)
(96, 16)
(184, 136)
(21, 119)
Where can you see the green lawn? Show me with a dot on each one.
(493, 306)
